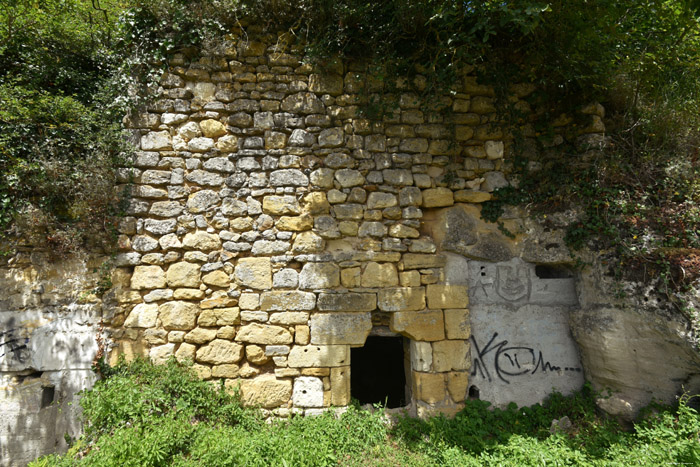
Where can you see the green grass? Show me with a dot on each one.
(146, 415)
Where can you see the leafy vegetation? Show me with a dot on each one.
(148, 415)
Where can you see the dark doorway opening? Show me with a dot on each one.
(377, 372)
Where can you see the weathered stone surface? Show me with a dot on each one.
(296, 223)
(216, 278)
(255, 273)
(318, 356)
(178, 315)
(419, 325)
(281, 205)
(264, 334)
(429, 387)
(326, 83)
(380, 275)
(451, 355)
(265, 391)
(200, 335)
(340, 386)
(202, 201)
(303, 102)
(308, 392)
(420, 261)
(421, 356)
(401, 299)
(148, 277)
(457, 383)
(437, 197)
(220, 317)
(288, 177)
(156, 141)
(457, 324)
(212, 128)
(201, 241)
(142, 316)
(160, 354)
(220, 351)
(307, 242)
(340, 328)
(348, 301)
(183, 274)
(447, 296)
(319, 276)
(470, 196)
(290, 300)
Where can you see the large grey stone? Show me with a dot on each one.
(340, 328)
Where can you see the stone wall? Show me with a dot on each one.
(273, 228)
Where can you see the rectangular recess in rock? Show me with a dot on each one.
(378, 371)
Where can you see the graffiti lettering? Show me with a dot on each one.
(12, 345)
(509, 362)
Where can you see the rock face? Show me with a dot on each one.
(272, 228)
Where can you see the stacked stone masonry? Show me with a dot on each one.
(271, 227)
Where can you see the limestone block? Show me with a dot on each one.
(350, 277)
(200, 336)
(437, 197)
(471, 196)
(429, 387)
(142, 316)
(183, 274)
(266, 391)
(289, 318)
(379, 275)
(322, 178)
(347, 211)
(457, 383)
(218, 299)
(220, 317)
(301, 138)
(326, 84)
(331, 137)
(451, 355)
(216, 278)
(419, 261)
(421, 356)
(349, 178)
(156, 141)
(316, 203)
(249, 301)
(177, 315)
(463, 132)
(220, 351)
(372, 229)
(188, 294)
(255, 273)
(148, 277)
(160, 354)
(319, 276)
(200, 144)
(308, 392)
(288, 177)
(340, 386)
(398, 177)
(447, 296)
(494, 149)
(457, 324)
(304, 103)
(340, 328)
(295, 223)
(202, 241)
(202, 200)
(281, 205)
(227, 143)
(409, 278)
(256, 333)
(285, 278)
(419, 325)
(403, 231)
(318, 356)
(289, 300)
(186, 352)
(255, 355)
(401, 299)
(307, 242)
(349, 301)
(228, 370)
